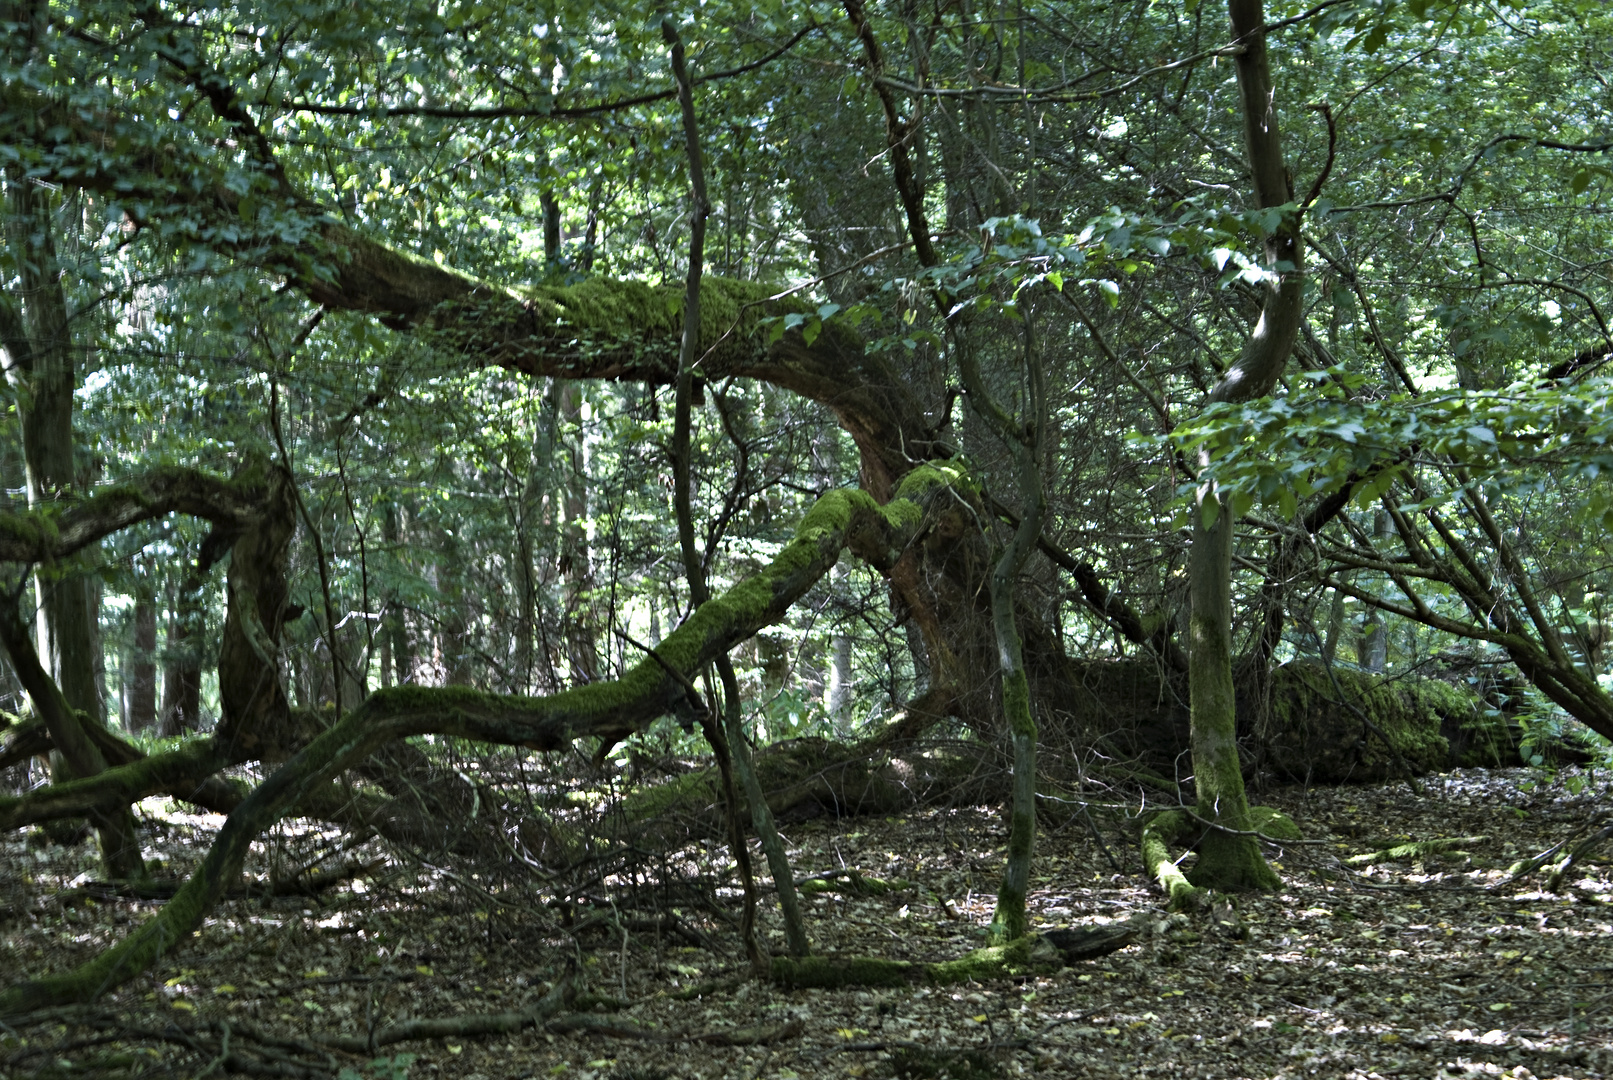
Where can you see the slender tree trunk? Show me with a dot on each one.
(528, 514)
(1022, 435)
(576, 569)
(837, 681)
(182, 677)
(551, 226)
(141, 713)
(728, 741)
(1335, 628)
(1228, 860)
(39, 365)
(1375, 633)
(454, 626)
(396, 630)
(1023, 440)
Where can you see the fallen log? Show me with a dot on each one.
(1414, 851)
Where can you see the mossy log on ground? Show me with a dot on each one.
(1416, 850)
(854, 882)
(810, 777)
(1034, 954)
(1319, 726)
(1159, 832)
(1310, 724)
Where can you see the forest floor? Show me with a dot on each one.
(1425, 968)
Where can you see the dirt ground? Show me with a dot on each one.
(1430, 968)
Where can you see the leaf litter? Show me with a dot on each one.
(1433, 965)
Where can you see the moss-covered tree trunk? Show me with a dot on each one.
(1010, 920)
(1228, 860)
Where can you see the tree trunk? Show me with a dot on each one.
(576, 569)
(395, 630)
(1228, 860)
(1374, 633)
(182, 674)
(39, 347)
(529, 512)
(453, 626)
(141, 681)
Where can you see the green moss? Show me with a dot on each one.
(1158, 834)
(853, 882)
(1028, 955)
(1273, 823)
(696, 789)
(633, 309)
(1315, 727)
(32, 530)
(1231, 863)
(1445, 845)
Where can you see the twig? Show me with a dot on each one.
(1190, 812)
(223, 1054)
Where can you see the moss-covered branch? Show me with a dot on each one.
(1159, 833)
(57, 530)
(605, 709)
(1415, 850)
(186, 773)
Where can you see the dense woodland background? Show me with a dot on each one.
(367, 455)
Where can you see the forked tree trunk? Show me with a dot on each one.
(1228, 860)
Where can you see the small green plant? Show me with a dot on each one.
(1546, 732)
(395, 1067)
(791, 714)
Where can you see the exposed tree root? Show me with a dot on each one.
(1159, 833)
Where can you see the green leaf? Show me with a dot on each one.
(1581, 181)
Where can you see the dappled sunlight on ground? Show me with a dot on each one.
(1418, 968)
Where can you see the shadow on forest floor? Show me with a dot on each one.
(1413, 968)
